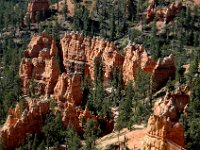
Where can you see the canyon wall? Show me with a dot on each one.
(41, 76)
(164, 131)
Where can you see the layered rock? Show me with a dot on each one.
(164, 14)
(37, 8)
(68, 89)
(163, 71)
(79, 55)
(136, 57)
(80, 52)
(40, 76)
(164, 132)
(39, 68)
(21, 122)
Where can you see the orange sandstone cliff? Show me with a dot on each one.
(136, 57)
(164, 132)
(21, 122)
(37, 7)
(164, 13)
(39, 68)
(40, 75)
(163, 71)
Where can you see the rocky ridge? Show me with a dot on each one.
(40, 75)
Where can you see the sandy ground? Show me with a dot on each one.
(197, 2)
(134, 138)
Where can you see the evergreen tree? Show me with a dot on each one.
(99, 93)
(54, 130)
(86, 91)
(192, 127)
(65, 10)
(28, 22)
(91, 134)
(38, 17)
(193, 69)
(125, 109)
(41, 146)
(72, 140)
(85, 21)
(112, 26)
(141, 84)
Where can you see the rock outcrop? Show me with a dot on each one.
(37, 8)
(39, 68)
(163, 71)
(164, 14)
(21, 122)
(80, 52)
(40, 75)
(164, 132)
(136, 57)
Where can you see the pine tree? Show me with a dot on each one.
(72, 140)
(91, 134)
(54, 130)
(65, 10)
(99, 92)
(41, 146)
(38, 17)
(125, 109)
(141, 84)
(86, 91)
(112, 26)
(193, 69)
(28, 22)
(192, 127)
(85, 21)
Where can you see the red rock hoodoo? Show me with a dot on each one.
(164, 132)
(37, 7)
(164, 14)
(80, 52)
(20, 122)
(163, 70)
(39, 66)
(136, 57)
(40, 75)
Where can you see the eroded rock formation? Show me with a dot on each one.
(22, 121)
(164, 132)
(39, 68)
(164, 14)
(163, 71)
(136, 57)
(80, 52)
(37, 8)
(40, 75)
